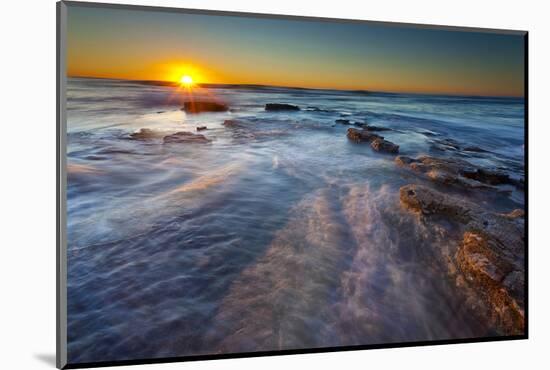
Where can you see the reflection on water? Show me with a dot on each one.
(276, 234)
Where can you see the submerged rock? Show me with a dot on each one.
(375, 128)
(489, 255)
(429, 133)
(449, 143)
(233, 123)
(475, 149)
(343, 121)
(281, 107)
(185, 137)
(200, 128)
(377, 142)
(145, 134)
(489, 177)
(204, 106)
(317, 109)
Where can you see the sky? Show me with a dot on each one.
(154, 45)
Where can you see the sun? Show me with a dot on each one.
(186, 80)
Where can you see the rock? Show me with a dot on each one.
(360, 136)
(185, 137)
(381, 145)
(489, 253)
(281, 107)
(444, 170)
(204, 106)
(449, 144)
(233, 123)
(145, 134)
(343, 121)
(429, 133)
(200, 128)
(475, 149)
(402, 160)
(516, 213)
(497, 279)
(377, 142)
(375, 128)
(488, 177)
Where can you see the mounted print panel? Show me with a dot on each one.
(235, 184)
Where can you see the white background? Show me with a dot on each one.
(27, 154)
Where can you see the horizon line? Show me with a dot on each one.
(173, 83)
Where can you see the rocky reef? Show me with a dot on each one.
(487, 258)
(451, 171)
(377, 142)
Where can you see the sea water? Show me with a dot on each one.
(279, 233)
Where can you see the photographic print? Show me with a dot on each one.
(240, 184)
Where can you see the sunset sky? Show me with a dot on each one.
(152, 45)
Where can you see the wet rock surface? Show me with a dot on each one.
(490, 177)
(457, 172)
(185, 137)
(204, 106)
(360, 136)
(281, 107)
(385, 146)
(487, 259)
(377, 142)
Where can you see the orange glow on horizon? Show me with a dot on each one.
(198, 73)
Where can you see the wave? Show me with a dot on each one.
(280, 301)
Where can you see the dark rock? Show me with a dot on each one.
(145, 134)
(375, 128)
(200, 128)
(381, 145)
(281, 107)
(343, 121)
(204, 106)
(475, 149)
(185, 137)
(488, 177)
(489, 254)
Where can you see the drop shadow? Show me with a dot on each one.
(46, 358)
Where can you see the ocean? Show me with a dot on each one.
(276, 233)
